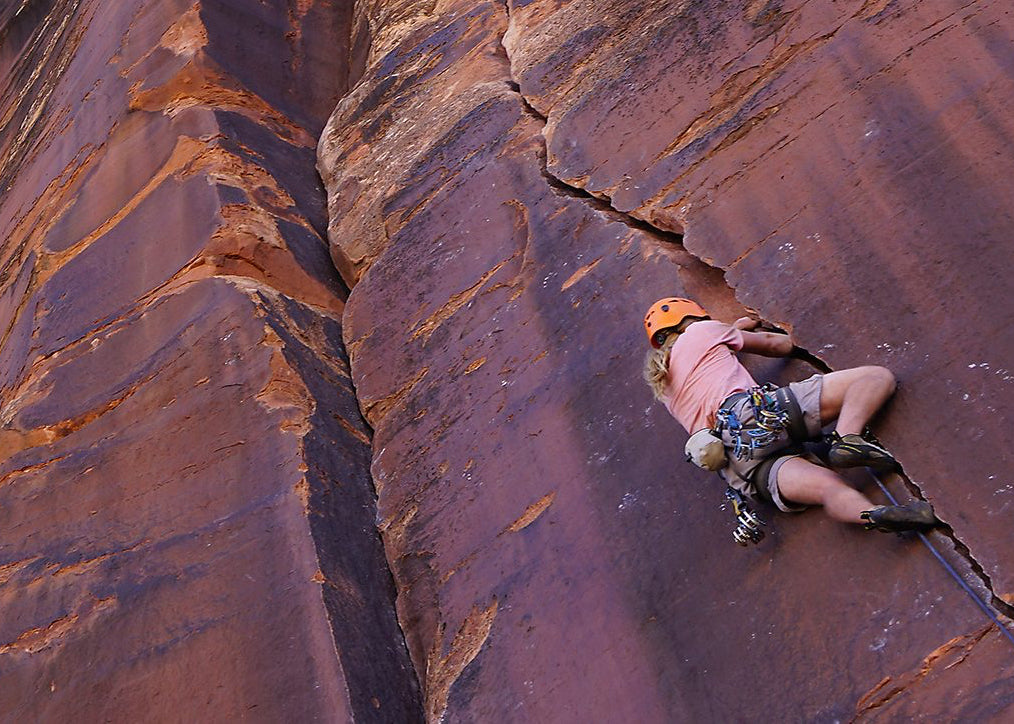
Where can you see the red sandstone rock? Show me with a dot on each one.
(846, 165)
(188, 523)
(554, 557)
(949, 684)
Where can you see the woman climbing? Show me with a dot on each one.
(751, 434)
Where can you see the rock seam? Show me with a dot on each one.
(603, 204)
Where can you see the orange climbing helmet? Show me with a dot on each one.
(669, 312)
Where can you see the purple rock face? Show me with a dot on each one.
(843, 164)
(510, 188)
(193, 404)
(187, 515)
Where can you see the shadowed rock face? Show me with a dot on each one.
(187, 516)
(511, 186)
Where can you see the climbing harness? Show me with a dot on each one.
(775, 409)
(748, 528)
(990, 613)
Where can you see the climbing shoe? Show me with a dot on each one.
(852, 451)
(917, 515)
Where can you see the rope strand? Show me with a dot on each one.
(950, 569)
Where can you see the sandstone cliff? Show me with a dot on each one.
(203, 426)
(186, 512)
(511, 184)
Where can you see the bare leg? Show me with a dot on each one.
(853, 396)
(800, 481)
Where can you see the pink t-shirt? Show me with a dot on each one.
(703, 371)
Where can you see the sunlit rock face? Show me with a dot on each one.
(196, 413)
(185, 505)
(510, 186)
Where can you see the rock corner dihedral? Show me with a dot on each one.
(186, 508)
(203, 426)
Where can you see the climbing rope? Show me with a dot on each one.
(950, 569)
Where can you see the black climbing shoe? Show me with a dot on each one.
(852, 451)
(917, 515)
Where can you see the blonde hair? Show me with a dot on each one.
(656, 367)
(656, 362)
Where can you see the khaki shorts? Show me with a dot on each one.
(807, 394)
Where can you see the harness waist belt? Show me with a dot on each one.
(786, 399)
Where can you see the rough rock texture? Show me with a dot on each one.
(188, 524)
(847, 165)
(967, 679)
(185, 505)
(842, 168)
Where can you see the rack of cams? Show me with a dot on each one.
(748, 528)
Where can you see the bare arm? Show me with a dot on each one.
(767, 344)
